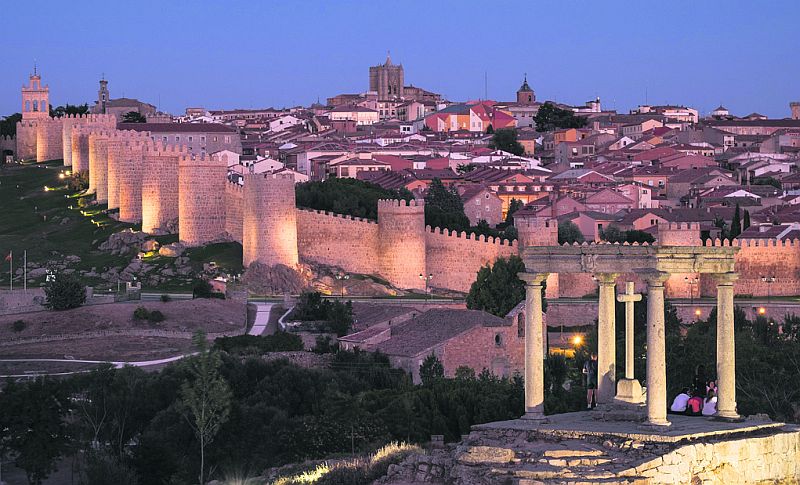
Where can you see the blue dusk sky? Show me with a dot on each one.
(251, 54)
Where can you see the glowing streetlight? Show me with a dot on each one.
(427, 279)
(577, 340)
(762, 310)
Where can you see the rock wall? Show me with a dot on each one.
(269, 220)
(49, 139)
(233, 211)
(201, 199)
(159, 199)
(129, 179)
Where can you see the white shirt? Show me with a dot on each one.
(710, 407)
(679, 404)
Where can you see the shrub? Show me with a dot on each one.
(166, 298)
(18, 325)
(65, 291)
(156, 316)
(201, 289)
(324, 345)
(141, 313)
(277, 342)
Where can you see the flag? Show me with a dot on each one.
(8, 258)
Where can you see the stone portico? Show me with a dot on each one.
(653, 264)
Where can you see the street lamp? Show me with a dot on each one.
(341, 278)
(768, 280)
(427, 279)
(691, 282)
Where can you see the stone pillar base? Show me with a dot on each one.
(629, 391)
(726, 416)
(535, 417)
(655, 424)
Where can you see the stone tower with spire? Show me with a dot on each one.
(525, 94)
(102, 95)
(387, 79)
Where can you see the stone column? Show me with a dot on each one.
(726, 348)
(534, 346)
(606, 339)
(656, 351)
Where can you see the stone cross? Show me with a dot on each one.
(629, 297)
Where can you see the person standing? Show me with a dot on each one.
(590, 371)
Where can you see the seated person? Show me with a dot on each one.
(694, 406)
(679, 404)
(712, 386)
(710, 404)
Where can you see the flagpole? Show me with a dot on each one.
(11, 270)
(25, 271)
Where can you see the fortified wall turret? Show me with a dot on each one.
(49, 139)
(71, 123)
(679, 234)
(401, 242)
(536, 231)
(159, 183)
(129, 177)
(98, 164)
(201, 198)
(26, 140)
(269, 220)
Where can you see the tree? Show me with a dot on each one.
(736, 223)
(513, 206)
(506, 139)
(490, 129)
(746, 221)
(205, 397)
(497, 288)
(550, 117)
(33, 426)
(69, 109)
(465, 168)
(444, 208)
(8, 124)
(64, 291)
(613, 234)
(346, 196)
(133, 117)
(431, 370)
(569, 233)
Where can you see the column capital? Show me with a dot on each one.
(533, 279)
(606, 278)
(725, 279)
(654, 278)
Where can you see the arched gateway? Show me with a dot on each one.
(653, 264)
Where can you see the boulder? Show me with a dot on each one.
(173, 250)
(150, 245)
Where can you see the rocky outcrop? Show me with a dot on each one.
(124, 242)
(275, 280)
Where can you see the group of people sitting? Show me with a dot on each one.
(700, 399)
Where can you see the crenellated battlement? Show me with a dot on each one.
(470, 236)
(606, 243)
(161, 149)
(754, 243)
(126, 135)
(679, 226)
(338, 216)
(390, 204)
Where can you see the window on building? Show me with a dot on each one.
(227, 139)
(498, 340)
(203, 139)
(190, 138)
(521, 325)
(177, 138)
(215, 138)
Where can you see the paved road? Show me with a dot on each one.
(116, 364)
(261, 322)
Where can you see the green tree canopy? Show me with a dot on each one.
(69, 109)
(431, 370)
(736, 223)
(568, 232)
(64, 291)
(506, 139)
(497, 288)
(8, 124)
(550, 117)
(613, 234)
(133, 117)
(444, 208)
(346, 196)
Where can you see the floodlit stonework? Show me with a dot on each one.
(159, 198)
(269, 220)
(129, 180)
(201, 199)
(98, 164)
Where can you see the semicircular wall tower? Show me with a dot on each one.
(269, 227)
(201, 198)
(401, 243)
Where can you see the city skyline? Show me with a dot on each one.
(627, 55)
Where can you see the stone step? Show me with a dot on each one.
(576, 461)
(563, 453)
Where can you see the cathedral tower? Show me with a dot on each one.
(387, 79)
(102, 96)
(525, 94)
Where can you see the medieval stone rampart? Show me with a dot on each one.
(454, 258)
(26, 140)
(348, 242)
(401, 242)
(159, 197)
(8, 143)
(49, 139)
(72, 122)
(98, 164)
(201, 199)
(129, 171)
(269, 220)
(234, 200)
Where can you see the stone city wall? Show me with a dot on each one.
(201, 199)
(98, 159)
(332, 239)
(159, 199)
(234, 200)
(454, 258)
(401, 243)
(8, 143)
(49, 139)
(26, 140)
(269, 220)
(129, 178)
